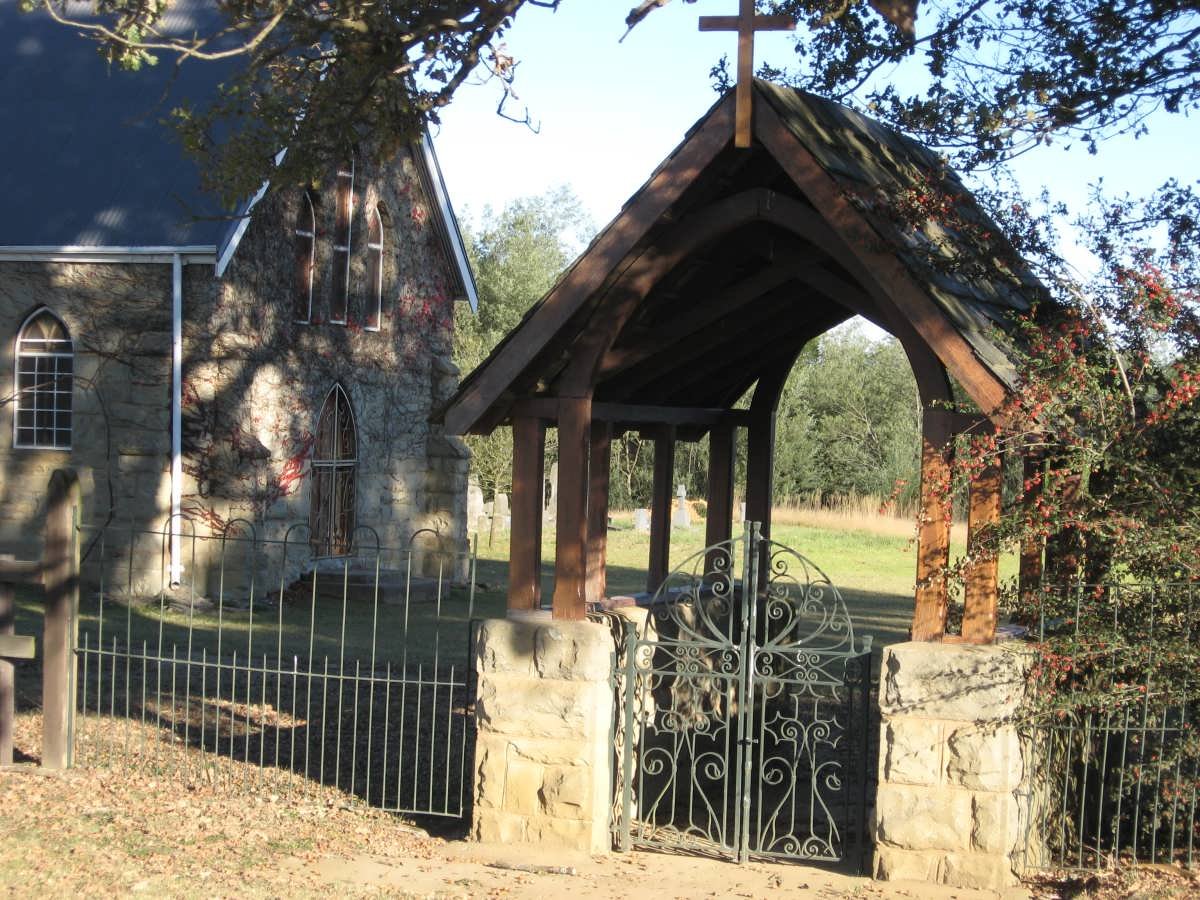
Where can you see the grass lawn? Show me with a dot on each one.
(871, 561)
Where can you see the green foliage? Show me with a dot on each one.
(996, 78)
(516, 254)
(849, 420)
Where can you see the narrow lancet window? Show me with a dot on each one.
(306, 251)
(374, 294)
(343, 216)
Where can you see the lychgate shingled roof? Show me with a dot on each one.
(727, 261)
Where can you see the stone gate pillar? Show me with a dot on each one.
(953, 795)
(543, 750)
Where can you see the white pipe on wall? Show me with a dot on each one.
(176, 413)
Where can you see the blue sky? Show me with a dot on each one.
(609, 112)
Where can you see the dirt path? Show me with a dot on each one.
(180, 825)
(470, 870)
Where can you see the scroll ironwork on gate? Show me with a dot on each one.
(742, 726)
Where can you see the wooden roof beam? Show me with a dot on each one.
(546, 408)
(703, 314)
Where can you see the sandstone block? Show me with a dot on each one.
(986, 872)
(564, 834)
(567, 792)
(984, 759)
(504, 646)
(967, 682)
(921, 818)
(573, 651)
(499, 827)
(995, 828)
(523, 786)
(913, 751)
(512, 704)
(894, 864)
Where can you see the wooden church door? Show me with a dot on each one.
(334, 467)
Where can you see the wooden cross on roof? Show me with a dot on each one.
(745, 23)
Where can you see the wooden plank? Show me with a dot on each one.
(882, 267)
(525, 536)
(571, 527)
(698, 316)
(933, 529)
(718, 526)
(982, 592)
(633, 413)
(17, 646)
(8, 707)
(660, 509)
(599, 472)
(60, 565)
(602, 258)
(20, 571)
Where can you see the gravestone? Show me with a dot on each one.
(743, 518)
(474, 501)
(641, 520)
(500, 505)
(552, 503)
(682, 517)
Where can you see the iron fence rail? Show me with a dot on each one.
(1115, 757)
(352, 673)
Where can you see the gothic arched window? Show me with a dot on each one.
(334, 466)
(45, 383)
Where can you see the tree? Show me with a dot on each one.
(998, 77)
(516, 254)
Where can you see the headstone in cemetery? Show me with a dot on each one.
(500, 506)
(474, 501)
(552, 503)
(641, 520)
(682, 517)
(743, 518)
(483, 523)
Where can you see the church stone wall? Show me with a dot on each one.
(254, 382)
(119, 317)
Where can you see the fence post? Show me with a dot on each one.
(7, 683)
(60, 574)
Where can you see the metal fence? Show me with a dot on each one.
(269, 665)
(1115, 751)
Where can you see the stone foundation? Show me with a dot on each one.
(952, 781)
(544, 745)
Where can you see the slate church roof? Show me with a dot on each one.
(85, 159)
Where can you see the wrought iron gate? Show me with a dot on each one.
(742, 725)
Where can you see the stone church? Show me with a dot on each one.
(276, 367)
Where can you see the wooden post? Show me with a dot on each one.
(660, 509)
(525, 538)
(570, 556)
(982, 581)
(60, 573)
(599, 470)
(760, 470)
(1029, 576)
(719, 517)
(933, 536)
(8, 710)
